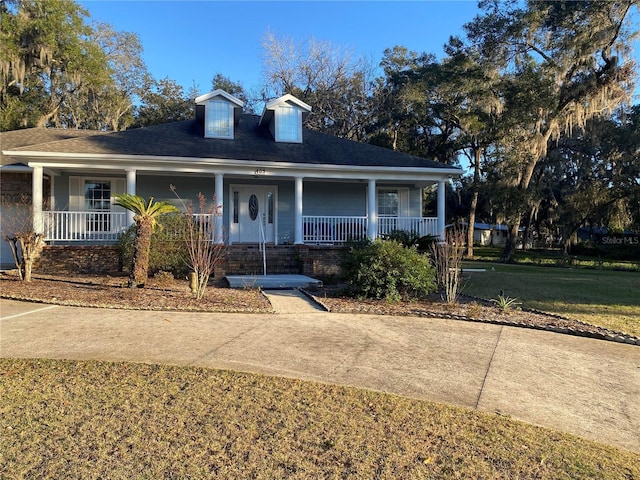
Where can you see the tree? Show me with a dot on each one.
(398, 116)
(113, 103)
(438, 109)
(56, 70)
(18, 231)
(251, 100)
(47, 58)
(322, 75)
(146, 218)
(465, 107)
(163, 101)
(593, 177)
(562, 63)
(236, 89)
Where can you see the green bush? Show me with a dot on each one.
(412, 239)
(385, 269)
(168, 248)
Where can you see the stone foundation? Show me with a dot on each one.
(84, 259)
(321, 261)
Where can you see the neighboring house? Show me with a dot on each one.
(273, 180)
(485, 234)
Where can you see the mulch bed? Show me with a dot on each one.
(164, 294)
(112, 292)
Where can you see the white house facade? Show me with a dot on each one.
(272, 180)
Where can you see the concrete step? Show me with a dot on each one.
(272, 281)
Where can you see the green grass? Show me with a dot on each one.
(87, 420)
(554, 258)
(608, 298)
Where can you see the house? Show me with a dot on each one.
(485, 234)
(275, 182)
(16, 181)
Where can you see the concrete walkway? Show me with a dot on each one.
(292, 301)
(578, 385)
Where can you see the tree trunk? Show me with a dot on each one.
(527, 228)
(477, 156)
(472, 222)
(512, 241)
(142, 246)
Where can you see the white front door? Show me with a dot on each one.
(253, 214)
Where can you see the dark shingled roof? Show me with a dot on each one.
(251, 142)
(15, 139)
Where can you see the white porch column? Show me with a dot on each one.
(372, 211)
(298, 238)
(131, 189)
(219, 195)
(441, 213)
(36, 199)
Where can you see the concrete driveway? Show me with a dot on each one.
(583, 386)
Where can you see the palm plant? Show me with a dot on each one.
(146, 215)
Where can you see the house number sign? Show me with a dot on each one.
(260, 171)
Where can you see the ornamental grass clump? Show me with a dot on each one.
(447, 259)
(385, 269)
(506, 303)
(205, 245)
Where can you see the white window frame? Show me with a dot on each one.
(83, 185)
(76, 191)
(282, 120)
(403, 201)
(210, 110)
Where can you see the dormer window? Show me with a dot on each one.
(219, 117)
(222, 112)
(288, 124)
(283, 116)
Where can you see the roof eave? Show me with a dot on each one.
(71, 160)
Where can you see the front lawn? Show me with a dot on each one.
(607, 298)
(62, 419)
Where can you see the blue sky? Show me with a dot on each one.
(193, 40)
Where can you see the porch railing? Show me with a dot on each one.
(63, 226)
(340, 229)
(420, 225)
(83, 226)
(333, 229)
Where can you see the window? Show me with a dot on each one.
(97, 199)
(270, 207)
(236, 199)
(288, 124)
(388, 202)
(219, 119)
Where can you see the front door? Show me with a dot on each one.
(253, 212)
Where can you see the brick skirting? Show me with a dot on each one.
(321, 261)
(89, 259)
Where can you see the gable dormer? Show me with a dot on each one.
(283, 116)
(219, 112)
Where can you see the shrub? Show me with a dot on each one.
(447, 259)
(412, 239)
(385, 269)
(168, 249)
